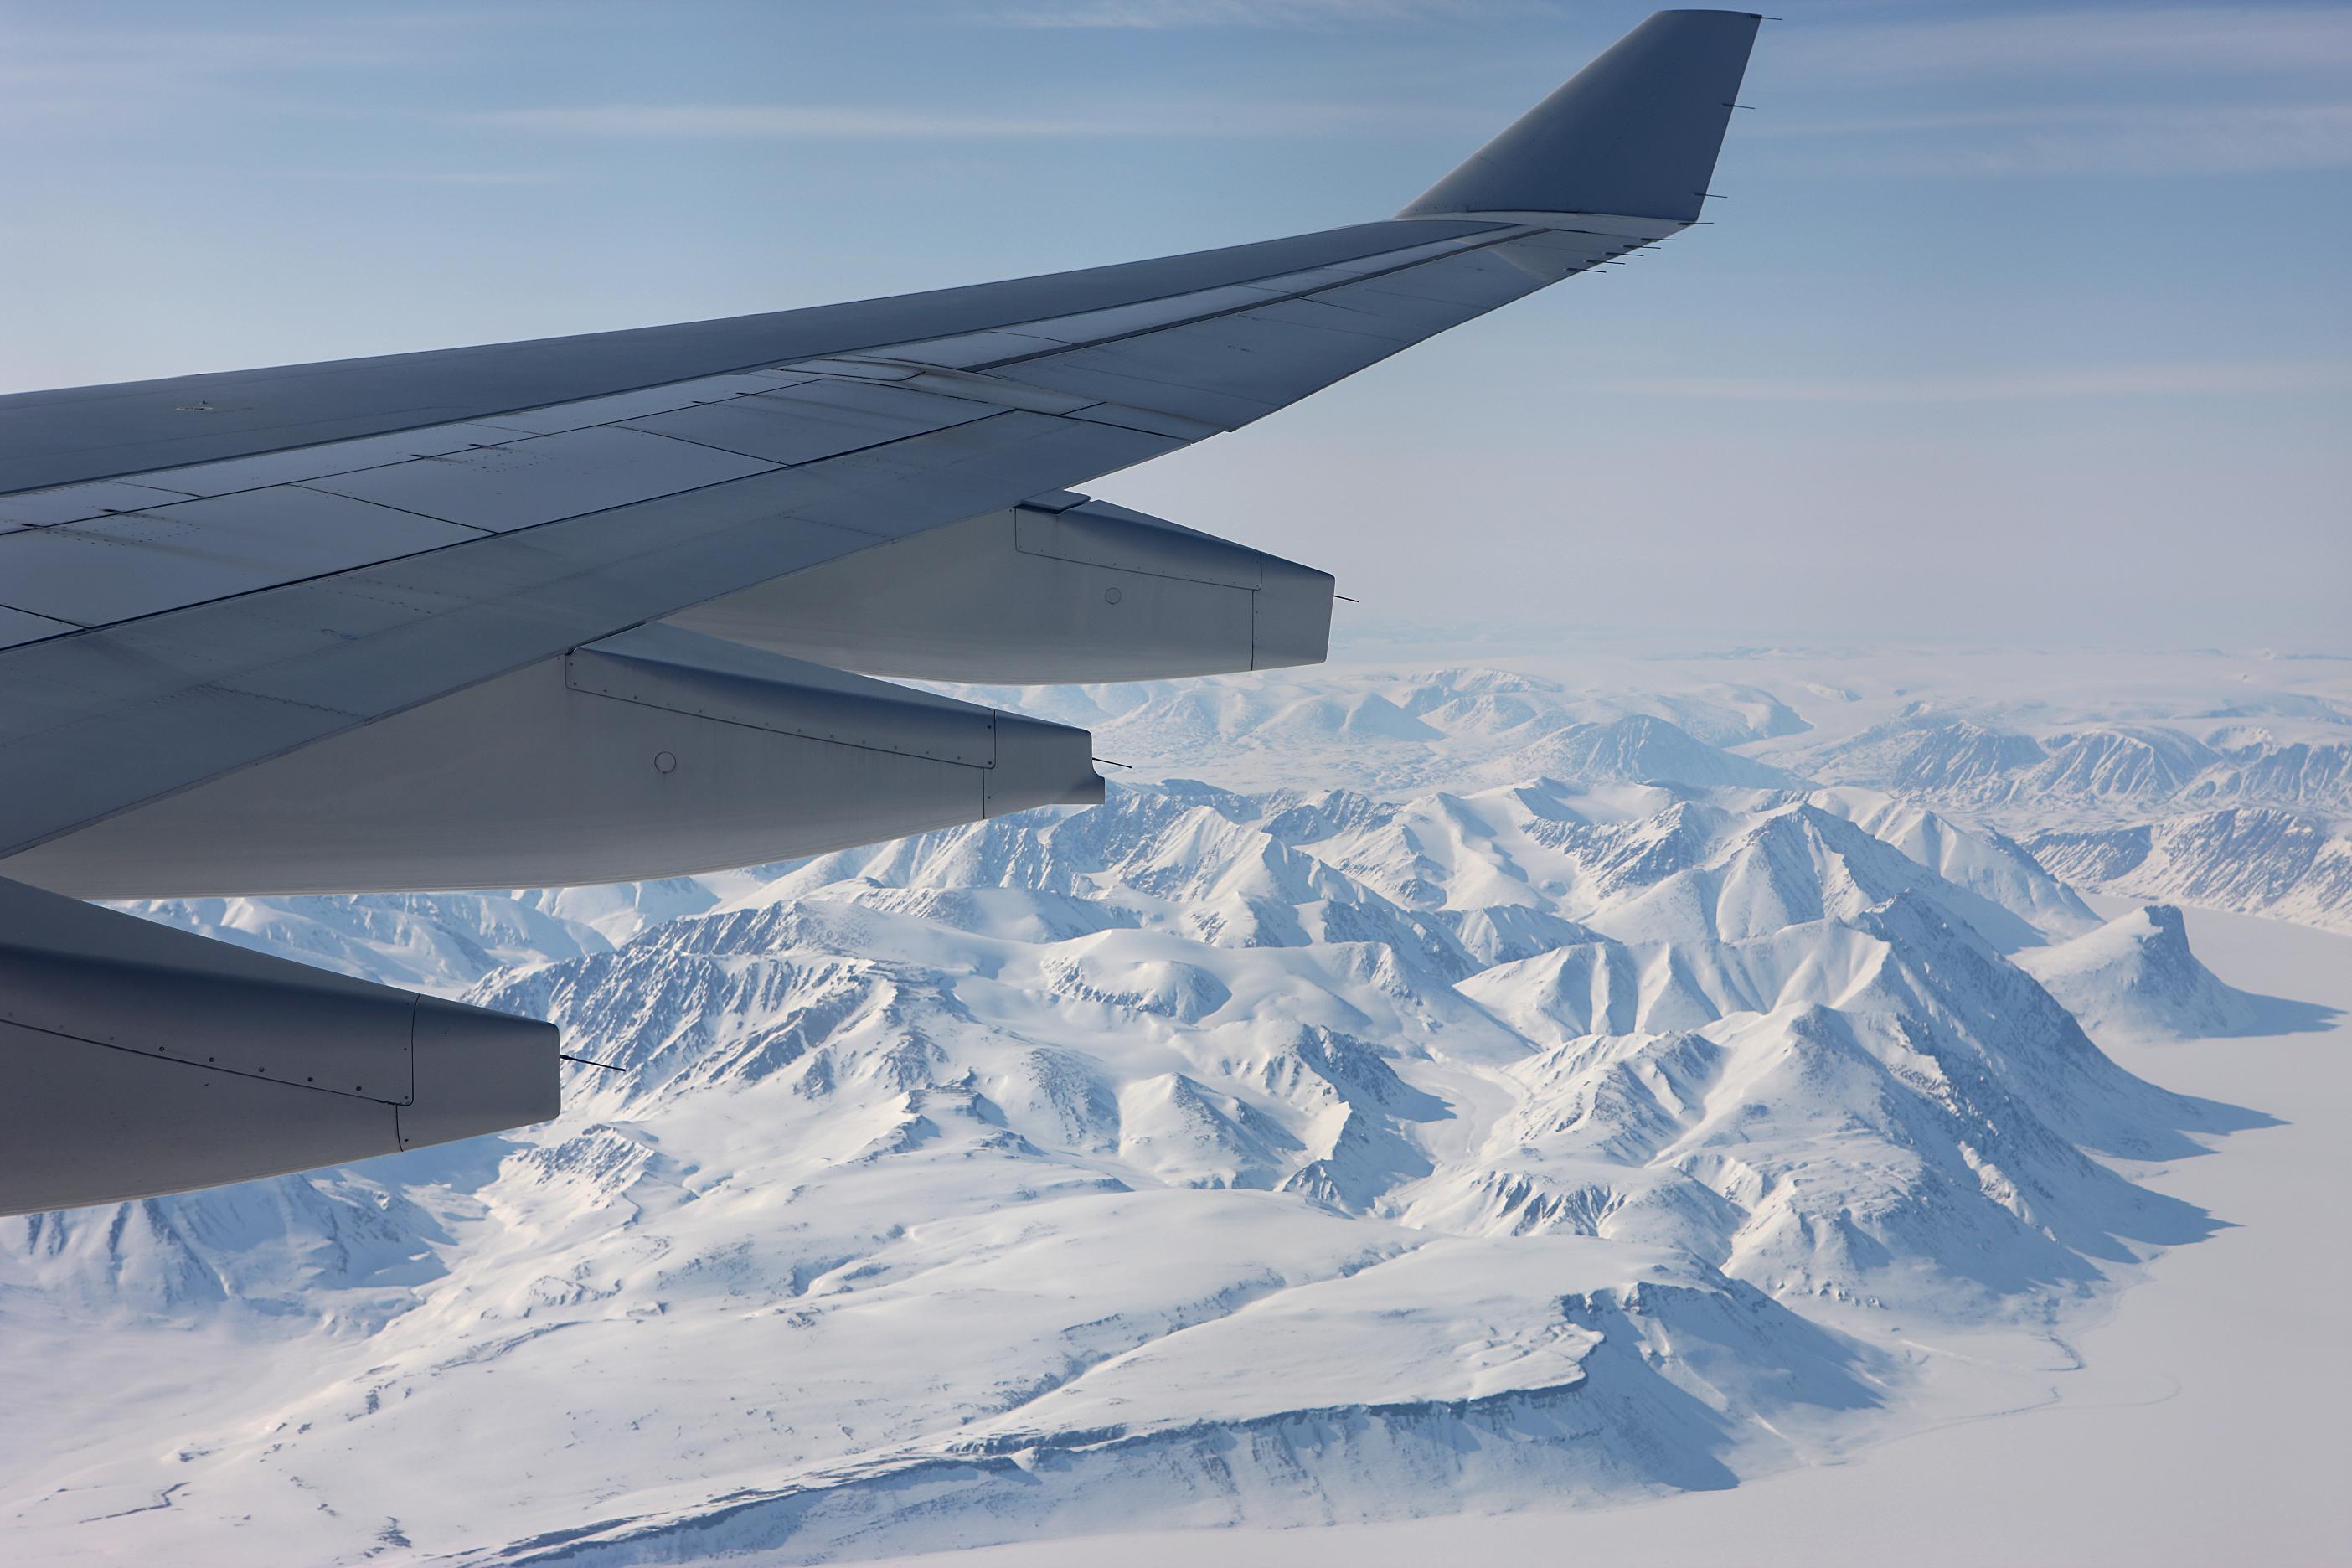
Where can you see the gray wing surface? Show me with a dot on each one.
(613, 605)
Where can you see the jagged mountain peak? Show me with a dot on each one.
(2134, 977)
(1642, 748)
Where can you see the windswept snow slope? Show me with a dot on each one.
(2134, 978)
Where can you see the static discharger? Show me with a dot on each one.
(586, 1062)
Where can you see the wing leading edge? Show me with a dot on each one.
(605, 608)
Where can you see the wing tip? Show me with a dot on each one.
(1636, 133)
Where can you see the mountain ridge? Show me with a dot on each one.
(951, 1189)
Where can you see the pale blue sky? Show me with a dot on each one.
(2018, 323)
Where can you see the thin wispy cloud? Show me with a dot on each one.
(136, 59)
(52, 57)
(1258, 14)
(52, 76)
(2200, 40)
(767, 122)
(415, 175)
(2079, 139)
(2183, 380)
(847, 122)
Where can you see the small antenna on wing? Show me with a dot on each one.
(583, 1061)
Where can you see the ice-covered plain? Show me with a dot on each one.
(1620, 1078)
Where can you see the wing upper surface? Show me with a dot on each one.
(96, 432)
(398, 623)
(337, 594)
(181, 618)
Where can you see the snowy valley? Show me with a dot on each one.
(1493, 1092)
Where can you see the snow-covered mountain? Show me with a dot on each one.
(2087, 786)
(2134, 977)
(1398, 731)
(2239, 819)
(2260, 861)
(2110, 751)
(1206, 1155)
(1963, 762)
(440, 942)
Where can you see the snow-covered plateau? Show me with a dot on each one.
(1621, 1079)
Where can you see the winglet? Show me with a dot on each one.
(1633, 133)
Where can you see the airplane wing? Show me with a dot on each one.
(608, 607)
